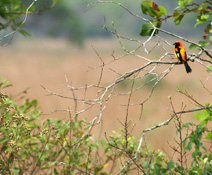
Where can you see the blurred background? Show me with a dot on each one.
(77, 20)
(60, 49)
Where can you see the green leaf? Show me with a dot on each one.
(208, 105)
(189, 146)
(209, 136)
(53, 163)
(147, 28)
(199, 22)
(184, 142)
(98, 169)
(210, 38)
(176, 14)
(187, 125)
(146, 164)
(204, 5)
(204, 43)
(34, 103)
(182, 2)
(204, 122)
(202, 116)
(162, 11)
(209, 69)
(9, 85)
(200, 171)
(103, 143)
(193, 47)
(196, 47)
(205, 17)
(25, 33)
(15, 171)
(147, 8)
(179, 19)
(3, 140)
(202, 19)
(3, 83)
(55, 171)
(170, 164)
(201, 7)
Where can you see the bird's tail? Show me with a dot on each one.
(187, 67)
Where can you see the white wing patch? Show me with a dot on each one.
(178, 55)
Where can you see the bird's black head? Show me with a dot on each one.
(177, 44)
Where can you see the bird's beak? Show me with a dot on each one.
(174, 44)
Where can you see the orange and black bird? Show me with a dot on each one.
(181, 55)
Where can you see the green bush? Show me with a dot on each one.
(31, 146)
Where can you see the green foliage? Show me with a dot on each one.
(148, 28)
(201, 43)
(152, 9)
(28, 145)
(202, 9)
(12, 13)
(202, 157)
(205, 115)
(209, 68)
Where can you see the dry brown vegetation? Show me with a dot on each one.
(31, 63)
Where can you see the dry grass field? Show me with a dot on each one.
(31, 63)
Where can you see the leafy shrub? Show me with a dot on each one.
(31, 146)
(52, 146)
